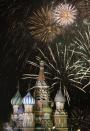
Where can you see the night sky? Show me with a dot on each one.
(17, 46)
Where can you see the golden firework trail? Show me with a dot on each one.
(42, 27)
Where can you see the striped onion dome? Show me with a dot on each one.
(17, 99)
(28, 99)
(59, 97)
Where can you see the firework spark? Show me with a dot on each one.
(64, 14)
(41, 27)
(62, 68)
(82, 41)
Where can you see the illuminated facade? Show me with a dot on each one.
(36, 112)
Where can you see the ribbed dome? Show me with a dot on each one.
(17, 99)
(59, 97)
(28, 99)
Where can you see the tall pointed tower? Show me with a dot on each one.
(41, 88)
(42, 108)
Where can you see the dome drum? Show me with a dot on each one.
(28, 108)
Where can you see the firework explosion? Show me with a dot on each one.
(41, 27)
(64, 14)
(82, 41)
(62, 69)
(60, 61)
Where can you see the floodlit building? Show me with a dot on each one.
(35, 112)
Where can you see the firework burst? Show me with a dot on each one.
(64, 14)
(41, 27)
(82, 41)
(62, 69)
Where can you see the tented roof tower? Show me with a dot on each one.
(41, 88)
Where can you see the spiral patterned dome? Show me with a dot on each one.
(28, 99)
(17, 99)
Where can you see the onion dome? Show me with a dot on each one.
(59, 97)
(28, 99)
(17, 99)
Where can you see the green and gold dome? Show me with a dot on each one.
(17, 99)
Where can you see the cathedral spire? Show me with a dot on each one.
(41, 76)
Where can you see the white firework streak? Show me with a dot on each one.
(82, 40)
(64, 14)
(32, 63)
(70, 69)
(61, 69)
